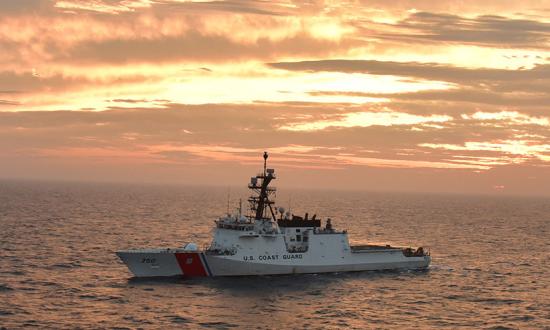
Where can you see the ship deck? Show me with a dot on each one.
(373, 248)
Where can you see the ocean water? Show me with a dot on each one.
(490, 270)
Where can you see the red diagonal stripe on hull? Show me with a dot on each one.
(191, 264)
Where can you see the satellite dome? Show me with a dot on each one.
(190, 247)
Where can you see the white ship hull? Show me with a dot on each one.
(174, 262)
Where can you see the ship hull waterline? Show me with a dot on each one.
(174, 262)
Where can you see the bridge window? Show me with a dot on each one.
(299, 238)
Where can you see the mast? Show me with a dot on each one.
(260, 201)
(265, 161)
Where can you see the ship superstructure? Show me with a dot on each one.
(269, 241)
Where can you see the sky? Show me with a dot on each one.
(427, 96)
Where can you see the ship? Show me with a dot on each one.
(269, 241)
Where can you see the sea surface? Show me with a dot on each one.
(490, 270)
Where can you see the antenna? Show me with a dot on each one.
(240, 207)
(228, 198)
(289, 200)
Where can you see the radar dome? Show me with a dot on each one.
(190, 247)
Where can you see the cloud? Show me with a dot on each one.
(375, 90)
(25, 82)
(525, 89)
(177, 33)
(510, 116)
(258, 126)
(453, 6)
(161, 7)
(430, 71)
(245, 7)
(156, 142)
(366, 119)
(300, 155)
(25, 7)
(485, 30)
(196, 46)
(105, 7)
(8, 102)
(461, 95)
(524, 148)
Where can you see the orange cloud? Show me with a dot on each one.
(512, 116)
(525, 148)
(366, 119)
(401, 90)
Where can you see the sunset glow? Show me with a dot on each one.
(448, 89)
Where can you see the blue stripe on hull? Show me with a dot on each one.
(203, 258)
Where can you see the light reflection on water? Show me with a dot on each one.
(490, 262)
